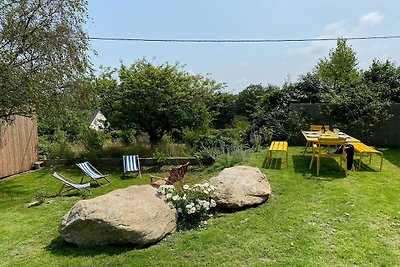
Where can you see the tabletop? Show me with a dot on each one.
(312, 136)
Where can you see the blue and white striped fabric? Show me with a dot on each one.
(131, 163)
(90, 170)
(69, 183)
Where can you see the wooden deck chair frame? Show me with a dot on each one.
(72, 186)
(175, 175)
(131, 163)
(89, 170)
(319, 151)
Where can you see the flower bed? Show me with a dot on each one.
(193, 203)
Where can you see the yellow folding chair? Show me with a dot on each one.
(319, 127)
(320, 150)
(316, 128)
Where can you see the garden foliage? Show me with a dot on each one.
(185, 115)
(158, 100)
(43, 57)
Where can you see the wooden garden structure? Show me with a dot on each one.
(18, 145)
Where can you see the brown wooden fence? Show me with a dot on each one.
(18, 146)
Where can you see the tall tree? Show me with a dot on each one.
(340, 69)
(355, 105)
(156, 99)
(43, 55)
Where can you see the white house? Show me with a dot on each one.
(97, 121)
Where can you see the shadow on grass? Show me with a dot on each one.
(272, 163)
(21, 185)
(330, 168)
(58, 246)
(392, 155)
(364, 167)
(12, 189)
(129, 176)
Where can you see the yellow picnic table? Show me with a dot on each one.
(359, 147)
(312, 137)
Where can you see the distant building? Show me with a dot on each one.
(97, 121)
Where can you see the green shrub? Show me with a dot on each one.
(93, 145)
(127, 136)
(160, 157)
(45, 148)
(222, 157)
(41, 196)
(56, 146)
(225, 139)
(255, 140)
(208, 155)
(230, 159)
(39, 199)
(91, 156)
(144, 150)
(92, 139)
(174, 150)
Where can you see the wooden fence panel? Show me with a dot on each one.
(18, 146)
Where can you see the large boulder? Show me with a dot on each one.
(134, 215)
(240, 186)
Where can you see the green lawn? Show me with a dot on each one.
(330, 220)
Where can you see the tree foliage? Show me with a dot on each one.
(156, 99)
(360, 110)
(308, 89)
(223, 110)
(385, 77)
(42, 55)
(356, 104)
(340, 69)
(274, 118)
(248, 99)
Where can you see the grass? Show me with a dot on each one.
(329, 220)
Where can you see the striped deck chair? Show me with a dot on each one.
(131, 164)
(92, 172)
(71, 185)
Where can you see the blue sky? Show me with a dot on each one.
(239, 65)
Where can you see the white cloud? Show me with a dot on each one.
(371, 19)
(316, 49)
(337, 28)
(342, 28)
(333, 30)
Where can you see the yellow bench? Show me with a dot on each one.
(361, 148)
(278, 146)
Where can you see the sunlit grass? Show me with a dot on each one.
(329, 220)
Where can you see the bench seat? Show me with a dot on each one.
(278, 146)
(362, 148)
